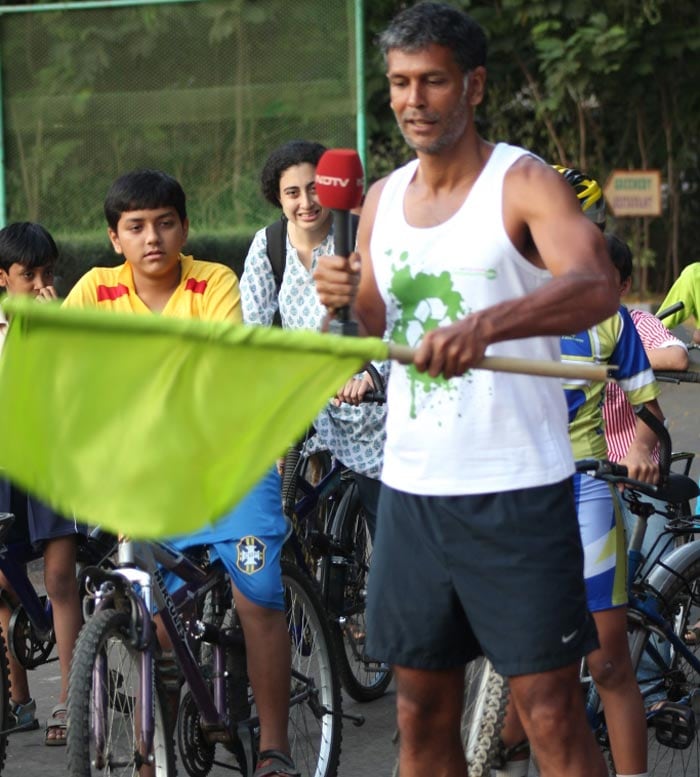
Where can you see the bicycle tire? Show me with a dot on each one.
(363, 679)
(106, 635)
(680, 679)
(315, 720)
(485, 700)
(4, 699)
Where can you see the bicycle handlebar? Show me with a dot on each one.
(617, 473)
(379, 397)
(611, 472)
(601, 468)
(657, 426)
(677, 376)
(670, 310)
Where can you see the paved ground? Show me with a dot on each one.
(367, 750)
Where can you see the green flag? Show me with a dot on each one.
(154, 426)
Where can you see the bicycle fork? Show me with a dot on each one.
(142, 636)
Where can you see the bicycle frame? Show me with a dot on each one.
(13, 557)
(142, 587)
(643, 605)
(312, 495)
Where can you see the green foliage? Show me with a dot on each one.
(600, 85)
(204, 90)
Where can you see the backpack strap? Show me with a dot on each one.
(276, 236)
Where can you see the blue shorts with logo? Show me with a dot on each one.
(249, 541)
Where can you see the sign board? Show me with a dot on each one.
(634, 192)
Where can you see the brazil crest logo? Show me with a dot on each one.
(251, 555)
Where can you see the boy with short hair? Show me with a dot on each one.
(147, 224)
(28, 254)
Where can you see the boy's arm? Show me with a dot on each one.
(664, 349)
(686, 289)
(639, 458)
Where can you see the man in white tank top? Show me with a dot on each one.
(471, 250)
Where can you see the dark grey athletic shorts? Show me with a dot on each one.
(499, 573)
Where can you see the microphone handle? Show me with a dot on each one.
(344, 240)
(342, 232)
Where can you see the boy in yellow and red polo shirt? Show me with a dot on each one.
(147, 224)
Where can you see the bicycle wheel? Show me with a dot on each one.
(363, 678)
(104, 659)
(485, 698)
(674, 746)
(315, 714)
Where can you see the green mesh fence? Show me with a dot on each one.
(202, 90)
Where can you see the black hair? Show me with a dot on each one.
(143, 189)
(425, 23)
(294, 152)
(621, 256)
(28, 244)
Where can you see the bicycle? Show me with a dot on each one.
(31, 636)
(664, 599)
(332, 543)
(118, 710)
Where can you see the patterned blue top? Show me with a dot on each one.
(355, 435)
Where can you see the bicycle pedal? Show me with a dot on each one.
(674, 725)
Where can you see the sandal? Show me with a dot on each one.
(273, 763)
(56, 723)
(23, 716)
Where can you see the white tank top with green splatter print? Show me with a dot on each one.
(486, 431)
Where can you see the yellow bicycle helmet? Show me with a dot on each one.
(589, 193)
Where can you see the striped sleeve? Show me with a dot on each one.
(634, 374)
(652, 332)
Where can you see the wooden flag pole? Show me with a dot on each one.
(404, 355)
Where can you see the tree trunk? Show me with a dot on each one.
(645, 222)
(541, 111)
(672, 183)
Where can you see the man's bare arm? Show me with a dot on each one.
(545, 223)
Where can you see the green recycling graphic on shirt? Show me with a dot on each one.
(426, 302)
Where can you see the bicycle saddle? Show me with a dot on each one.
(677, 488)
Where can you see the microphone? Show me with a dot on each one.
(339, 186)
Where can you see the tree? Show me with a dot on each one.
(597, 85)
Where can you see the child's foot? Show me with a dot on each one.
(56, 726)
(23, 716)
